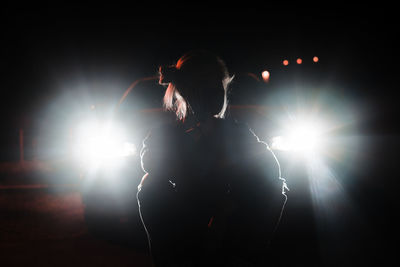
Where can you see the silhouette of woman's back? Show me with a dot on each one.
(211, 189)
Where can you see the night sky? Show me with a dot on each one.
(45, 46)
(47, 50)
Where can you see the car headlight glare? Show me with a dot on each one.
(95, 144)
(302, 137)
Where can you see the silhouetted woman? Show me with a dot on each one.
(212, 192)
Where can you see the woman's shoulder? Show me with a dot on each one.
(163, 135)
(239, 132)
(244, 141)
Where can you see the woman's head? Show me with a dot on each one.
(197, 85)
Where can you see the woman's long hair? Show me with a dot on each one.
(197, 85)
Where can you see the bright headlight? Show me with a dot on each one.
(301, 137)
(95, 142)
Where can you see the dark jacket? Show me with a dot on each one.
(212, 193)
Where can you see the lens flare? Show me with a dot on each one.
(302, 137)
(96, 142)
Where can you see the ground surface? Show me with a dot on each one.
(43, 225)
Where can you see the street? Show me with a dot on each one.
(44, 226)
(42, 223)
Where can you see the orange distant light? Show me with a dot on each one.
(265, 75)
(315, 59)
(285, 62)
(299, 61)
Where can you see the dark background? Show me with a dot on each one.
(47, 49)
(46, 45)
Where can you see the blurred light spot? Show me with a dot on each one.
(315, 59)
(265, 75)
(302, 137)
(97, 143)
(299, 61)
(285, 62)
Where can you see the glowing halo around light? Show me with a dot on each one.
(265, 75)
(301, 137)
(99, 143)
(285, 62)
